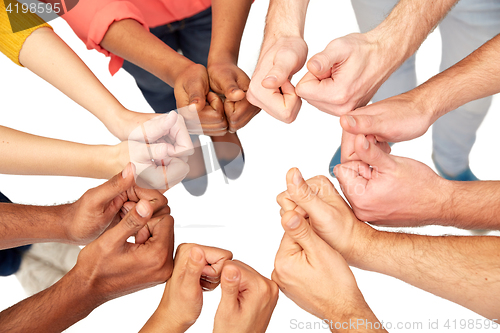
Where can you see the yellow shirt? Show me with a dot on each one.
(12, 43)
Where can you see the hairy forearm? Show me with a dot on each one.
(462, 269)
(26, 154)
(285, 19)
(228, 23)
(128, 39)
(22, 224)
(52, 310)
(407, 26)
(474, 77)
(472, 205)
(46, 55)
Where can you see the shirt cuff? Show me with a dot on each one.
(115, 11)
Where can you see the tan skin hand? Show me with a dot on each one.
(248, 300)
(228, 80)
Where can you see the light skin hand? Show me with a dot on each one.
(196, 268)
(229, 80)
(270, 88)
(315, 276)
(388, 190)
(346, 74)
(325, 210)
(247, 302)
(112, 267)
(400, 118)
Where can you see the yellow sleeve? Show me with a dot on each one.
(12, 43)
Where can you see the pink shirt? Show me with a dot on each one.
(90, 19)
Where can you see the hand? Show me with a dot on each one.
(270, 88)
(399, 118)
(325, 210)
(196, 268)
(248, 300)
(315, 276)
(229, 80)
(159, 148)
(98, 209)
(389, 190)
(111, 267)
(346, 74)
(192, 88)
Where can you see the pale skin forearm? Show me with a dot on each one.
(228, 22)
(128, 39)
(160, 322)
(26, 154)
(474, 77)
(285, 19)
(46, 55)
(407, 26)
(52, 310)
(462, 269)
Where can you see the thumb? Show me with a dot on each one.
(194, 267)
(116, 185)
(285, 64)
(320, 65)
(134, 221)
(363, 124)
(300, 231)
(230, 286)
(372, 155)
(302, 194)
(230, 88)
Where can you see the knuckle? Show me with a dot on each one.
(133, 222)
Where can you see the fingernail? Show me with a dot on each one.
(297, 177)
(366, 144)
(351, 121)
(142, 209)
(272, 78)
(316, 64)
(231, 275)
(294, 222)
(194, 101)
(195, 255)
(126, 171)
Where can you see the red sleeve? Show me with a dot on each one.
(90, 20)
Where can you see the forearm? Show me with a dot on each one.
(128, 39)
(46, 55)
(26, 154)
(360, 318)
(462, 269)
(285, 19)
(52, 310)
(407, 26)
(228, 22)
(474, 77)
(21, 224)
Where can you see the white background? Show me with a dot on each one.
(241, 216)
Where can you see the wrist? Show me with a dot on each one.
(391, 52)
(360, 249)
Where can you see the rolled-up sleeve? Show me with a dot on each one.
(91, 19)
(11, 43)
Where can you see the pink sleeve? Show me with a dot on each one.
(91, 19)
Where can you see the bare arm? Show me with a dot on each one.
(26, 154)
(462, 269)
(46, 55)
(52, 310)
